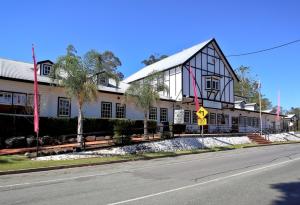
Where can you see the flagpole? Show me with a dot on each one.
(260, 117)
(35, 105)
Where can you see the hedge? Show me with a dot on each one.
(11, 126)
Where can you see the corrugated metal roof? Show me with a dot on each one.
(16, 70)
(19, 70)
(169, 62)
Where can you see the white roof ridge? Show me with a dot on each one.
(171, 61)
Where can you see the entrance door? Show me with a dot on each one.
(235, 124)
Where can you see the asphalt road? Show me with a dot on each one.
(264, 175)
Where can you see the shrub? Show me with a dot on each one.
(31, 141)
(166, 135)
(62, 129)
(47, 140)
(122, 132)
(16, 142)
(179, 128)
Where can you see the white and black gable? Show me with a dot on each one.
(45, 67)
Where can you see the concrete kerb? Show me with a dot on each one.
(21, 171)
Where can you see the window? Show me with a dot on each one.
(153, 113)
(5, 98)
(217, 87)
(243, 121)
(212, 118)
(187, 116)
(30, 103)
(248, 121)
(208, 83)
(106, 109)
(226, 119)
(19, 99)
(220, 119)
(195, 117)
(212, 83)
(64, 107)
(46, 69)
(120, 110)
(163, 114)
(102, 80)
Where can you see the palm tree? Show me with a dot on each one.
(79, 76)
(145, 93)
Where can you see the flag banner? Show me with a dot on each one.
(35, 101)
(195, 89)
(278, 107)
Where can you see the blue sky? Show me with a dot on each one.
(134, 29)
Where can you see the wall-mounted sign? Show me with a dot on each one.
(179, 116)
(212, 104)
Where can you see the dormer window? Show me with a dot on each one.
(46, 69)
(102, 80)
(212, 83)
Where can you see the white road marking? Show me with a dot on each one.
(202, 183)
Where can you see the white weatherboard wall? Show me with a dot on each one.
(48, 94)
(212, 63)
(173, 80)
(49, 101)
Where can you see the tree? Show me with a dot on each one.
(153, 59)
(249, 88)
(145, 93)
(79, 77)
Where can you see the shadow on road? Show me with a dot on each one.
(290, 193)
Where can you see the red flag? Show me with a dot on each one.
(36, 112)
(195, 89)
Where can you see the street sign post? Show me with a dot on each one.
(202, 122)
(201, 113)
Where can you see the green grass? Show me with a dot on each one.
(19, 162)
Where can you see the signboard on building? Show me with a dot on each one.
(179, 116)
(212, 104)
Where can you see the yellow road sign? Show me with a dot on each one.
(202, 112)
(202, 121)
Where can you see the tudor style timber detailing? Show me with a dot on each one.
(209, 64)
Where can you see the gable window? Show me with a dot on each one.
(46, 69)
(64, 107)
(5, 98)
(212, 83)
(163, 114)
(208, 83)
(153, 113)
(120, 110)
(187, 116)
(106, 110)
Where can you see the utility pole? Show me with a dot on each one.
(259, 87)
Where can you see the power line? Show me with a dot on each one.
(264, 50)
